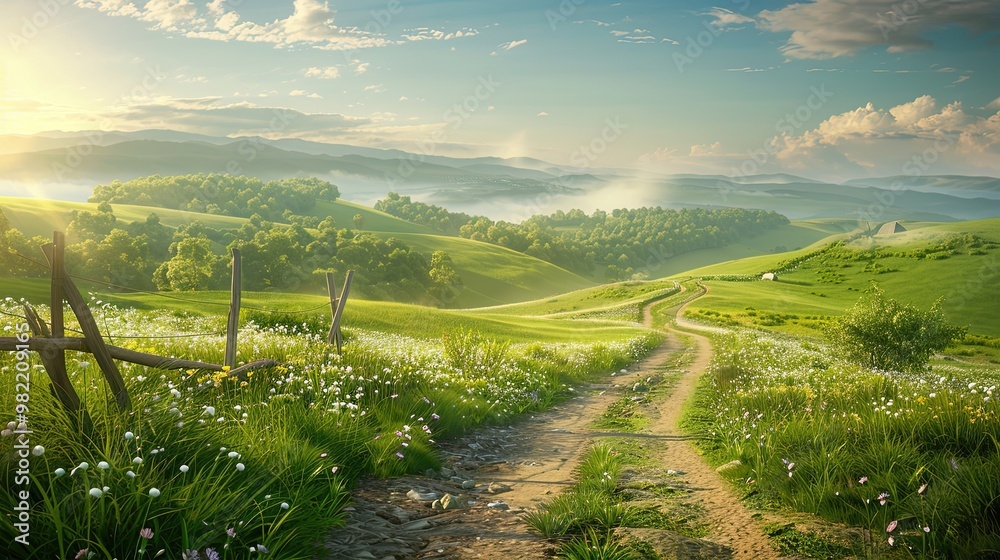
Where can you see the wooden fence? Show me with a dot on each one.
(51, 343)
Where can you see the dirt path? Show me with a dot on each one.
(514, 468)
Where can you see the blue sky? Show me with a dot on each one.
(823, 88)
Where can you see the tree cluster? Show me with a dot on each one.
(226, 195)
(147, 255)
(613, 246)
(435, 217)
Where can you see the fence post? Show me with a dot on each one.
(331, 288)
(234, 312)
(55, 361)
(91, 332)
(335, 327)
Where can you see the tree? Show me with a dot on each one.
(189, 269)
(359, 221)
(885, 334)
(447, 284)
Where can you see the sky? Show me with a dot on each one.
(829, 89)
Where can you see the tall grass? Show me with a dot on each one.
(913, 459)
(208, 461)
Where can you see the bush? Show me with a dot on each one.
(885, 334)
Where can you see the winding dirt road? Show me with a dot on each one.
(536, 458)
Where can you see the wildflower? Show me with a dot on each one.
(883, 498)
(211, 554)
(262, 549)
(103, 465)
(892, 526)
(927, 529)
(210, 410)
(398, 454)
(334, 469)
(922, 490)
(234, 455)
(791, 466)
(96, 492)
(322, 455)
(435, 416)
(240, 467)
(284, 505)
(863, 480)
(83, 552)
(892, 541)
(154, 492)
(954, 463)
(38, 451)
(60, 471)
(190, 555)
(137, 461)
(184, 468)
(130, 474)
(81, 467)
(129, 435)
(231, 532)
(146, 533)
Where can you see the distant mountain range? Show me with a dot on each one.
(68, 164)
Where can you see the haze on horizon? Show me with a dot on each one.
(824, 89)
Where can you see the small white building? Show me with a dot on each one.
(768, 276)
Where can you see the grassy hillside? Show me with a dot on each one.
(798, 234)
(492, 275)
(397, 318)
(496, 275)
(588, 299)
(826, 285)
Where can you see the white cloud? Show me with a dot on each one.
(426, 34)
(310, 23)
(727, 18)
(961, 79)
(110, 7)
(542, 114)
(910, 113)
(323, 72)
(375, 88)
(169, 14)
(866, 141)
(995, 104)
(404, 98)
(304, 93)
(512, 44)
(361, 68)
(671, 41)
(832, 28)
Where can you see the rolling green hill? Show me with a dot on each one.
(917, 267)
(492, 275)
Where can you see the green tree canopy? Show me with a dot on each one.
(884, 334)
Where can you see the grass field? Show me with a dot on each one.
(827, 285)
(408, 320)
(797, 235)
